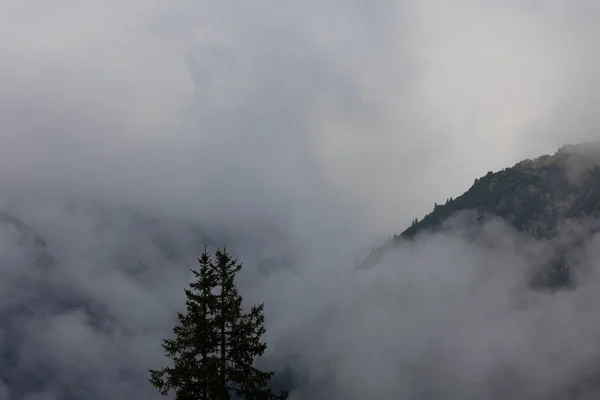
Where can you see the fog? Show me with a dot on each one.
(300, 134)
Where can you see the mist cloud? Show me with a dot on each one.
(450, 315)
(301, 134)
(346, 99)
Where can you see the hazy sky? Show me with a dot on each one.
(310, 128)
(370, 109)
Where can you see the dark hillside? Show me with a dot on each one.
(535, 196)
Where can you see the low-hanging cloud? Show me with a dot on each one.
(301, 134)
(448, 315)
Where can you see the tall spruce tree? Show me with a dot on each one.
(215, 342)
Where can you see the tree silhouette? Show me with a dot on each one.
(215, 342)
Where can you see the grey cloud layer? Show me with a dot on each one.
(448, 316)
(297, 105)
(303, 132)
(452, 317)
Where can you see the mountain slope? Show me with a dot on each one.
(533, 195)
(536, 197)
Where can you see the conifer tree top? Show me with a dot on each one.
(215, 343)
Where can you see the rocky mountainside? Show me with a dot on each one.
(536, 197)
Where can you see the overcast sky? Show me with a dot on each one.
(371, 109)
(328, 124)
